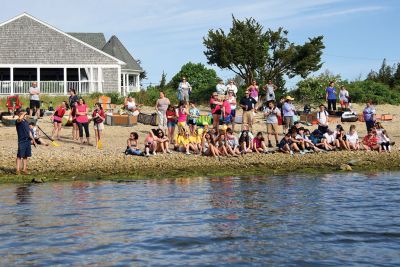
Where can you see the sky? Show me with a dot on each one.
(164, 35)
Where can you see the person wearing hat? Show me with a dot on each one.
(25, 139)
(220, 88)
(288, 113)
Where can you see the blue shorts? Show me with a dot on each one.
(227, 119)
(134, 152)
(24, 149)
(171, 124)
(233, 113)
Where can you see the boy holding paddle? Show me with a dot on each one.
(25, 139)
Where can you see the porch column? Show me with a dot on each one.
(91, 85)
(119, 81)
(79, 80)
(127, 83)
(137, 82)
(123, 84)
(38, 77)
(65, 81)
(12, 80)
(99, 79)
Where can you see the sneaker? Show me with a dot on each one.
(154, 153)
(147, 155)
(187, 153)
(302, 152)
(291, 153)
(269, 145)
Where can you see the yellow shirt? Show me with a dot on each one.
(181, 140)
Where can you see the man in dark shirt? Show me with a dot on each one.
(24, 142)
(248, 103)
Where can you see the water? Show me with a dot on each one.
(329, 220)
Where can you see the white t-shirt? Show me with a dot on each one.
(34, 97)
(232, 100)
(221, 89)
(343, 95)
(323, 117)
(352, 138)
(232, 87)
(270, 93)
(330, 138)
(272, 115)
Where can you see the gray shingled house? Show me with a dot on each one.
(31, 50)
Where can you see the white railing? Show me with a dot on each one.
(48, 87)
(5, 87)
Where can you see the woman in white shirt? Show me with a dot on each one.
(232, 101)
(232, 87)
(322, 117)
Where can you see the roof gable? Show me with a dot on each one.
(27, 40)
(95, 39)
(115, 48)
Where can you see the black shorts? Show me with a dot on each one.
(34, 104)
(192, 122)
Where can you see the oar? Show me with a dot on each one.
(99, 143)
(52, 141)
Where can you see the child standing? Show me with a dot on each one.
(57, 120)
(25, 139)
(194, 114)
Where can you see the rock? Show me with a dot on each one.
(345, 167)
(354, 162)
(37, 181)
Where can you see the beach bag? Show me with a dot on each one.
(148, 119)
(349, 116)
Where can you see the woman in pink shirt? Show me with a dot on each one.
(253, 89)
(82, 120)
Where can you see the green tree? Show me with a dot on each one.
(251, 53)
(385, 74)
(202, 80)
(163, 80)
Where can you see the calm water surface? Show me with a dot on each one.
(329, 220)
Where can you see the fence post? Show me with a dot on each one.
(12, 80)
(65, 81)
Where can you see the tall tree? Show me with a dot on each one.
(252, 53)
(163, 80)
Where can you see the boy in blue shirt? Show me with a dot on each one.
(25, 139)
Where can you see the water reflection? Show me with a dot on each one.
(335, 219)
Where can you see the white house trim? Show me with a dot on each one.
(60, 66)
(59, 31)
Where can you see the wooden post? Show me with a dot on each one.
(38, 78)
(79, 80)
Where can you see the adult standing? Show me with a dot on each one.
(322, 117)
(331, 96)
(82, 120)
(184, 90)
(161, 108)
(216, 110)
(34, 100)
(220, 88)
(231, 98)
(73, 98)
(271, 114)
(248, 103)
(270, 89)
(288, 113)
(231, 86)
(253, 89)
(369, 113)
(344, 98)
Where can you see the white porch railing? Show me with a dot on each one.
(48, 87)
(5, 87)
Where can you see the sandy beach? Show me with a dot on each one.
(74, 161)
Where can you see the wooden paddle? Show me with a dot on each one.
(52, 141)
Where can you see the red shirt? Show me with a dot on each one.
(59, 113)
(171, 114)
(101, 113)
(370, 141)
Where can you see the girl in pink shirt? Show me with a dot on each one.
(181, 113)
(82, 120)
(57, 120)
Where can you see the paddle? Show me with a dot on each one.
(99, 143)
(52, 141)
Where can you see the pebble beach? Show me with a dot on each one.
(71, 160)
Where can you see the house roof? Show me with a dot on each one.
(115, 48)
(54, 44)
(95, 39)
